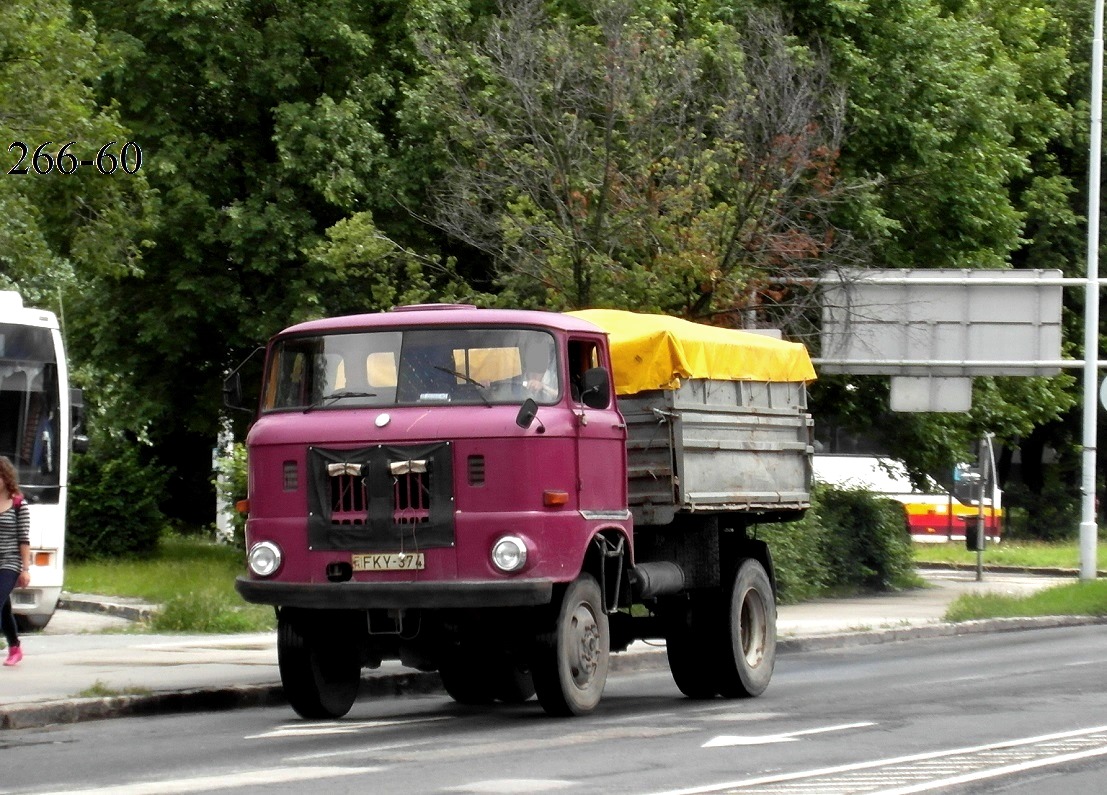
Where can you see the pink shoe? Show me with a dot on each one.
(15, 655)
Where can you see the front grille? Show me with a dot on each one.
(383, 498)
(349, 499)
(411, 498)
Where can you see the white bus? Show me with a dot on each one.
(39, 417)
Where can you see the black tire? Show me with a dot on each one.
(569, 665)
(319, 666)
(689, 644)
(514, 684)
(482, 676)
(466, 682)
(35, 623)
(747, 654)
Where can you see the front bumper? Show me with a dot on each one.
(365, 595)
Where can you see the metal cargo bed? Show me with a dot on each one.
(718, 446)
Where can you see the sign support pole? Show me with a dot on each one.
(1088, 528)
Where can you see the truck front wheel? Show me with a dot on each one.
(319, 664)
(570, 664)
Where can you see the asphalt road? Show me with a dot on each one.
(1019, 712)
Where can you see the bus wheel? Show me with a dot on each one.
(319, 666)
(33, 623)
(747, 654)
(688, 645)
(569, 664)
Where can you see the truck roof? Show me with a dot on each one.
(656, 351)
(444, 315)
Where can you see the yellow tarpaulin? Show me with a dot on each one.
(656, 351)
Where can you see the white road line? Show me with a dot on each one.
(726, 740)
(827, 771)
(364, 750)
(995, 772)
(245, 778)
(338, 727)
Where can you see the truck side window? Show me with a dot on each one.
(583, 355)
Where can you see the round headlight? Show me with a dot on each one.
(509, 553)
(264, 558)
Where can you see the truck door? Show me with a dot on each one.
(601, 437)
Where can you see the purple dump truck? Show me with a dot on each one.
(507, 497)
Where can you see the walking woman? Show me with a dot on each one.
(15, 553)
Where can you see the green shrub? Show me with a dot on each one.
(113, 502)
(797, 550)
(866, 540)
(848, 540)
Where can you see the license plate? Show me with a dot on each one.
(392, 562)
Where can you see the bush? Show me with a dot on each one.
(113, 502)
(869, 545)
(797, 550)
(850, 539)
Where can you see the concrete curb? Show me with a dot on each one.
(122, 607)
(76, 710)
(998, 569)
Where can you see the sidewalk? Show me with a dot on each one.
(70, 675)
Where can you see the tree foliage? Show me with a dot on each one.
(708, 158)
(56, 227)
(620, 156)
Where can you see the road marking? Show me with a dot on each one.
(336, 727)
(515, 785)
(365, 750)
(245, 778)
(996, 772)
(921, 771)
(787, 737)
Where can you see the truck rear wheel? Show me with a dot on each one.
(748, 653)
(319, 665)
(724, 642)
(689, 644)
(570, 664)
(483, 672)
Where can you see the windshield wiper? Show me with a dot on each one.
(339, 395)
(480, 387)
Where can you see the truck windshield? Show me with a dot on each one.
(411, 367)
(29, 414)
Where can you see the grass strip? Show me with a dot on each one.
(1075, 599)
(191, 578)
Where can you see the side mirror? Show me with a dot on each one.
(78, 441)
(527, 412)
(232, 385)
(232, 391)
(595, 388)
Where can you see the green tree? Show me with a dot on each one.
(266, 129)
(54, 226)
(634, 154)
(963, 114)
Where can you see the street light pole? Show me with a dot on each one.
(1088, 528)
